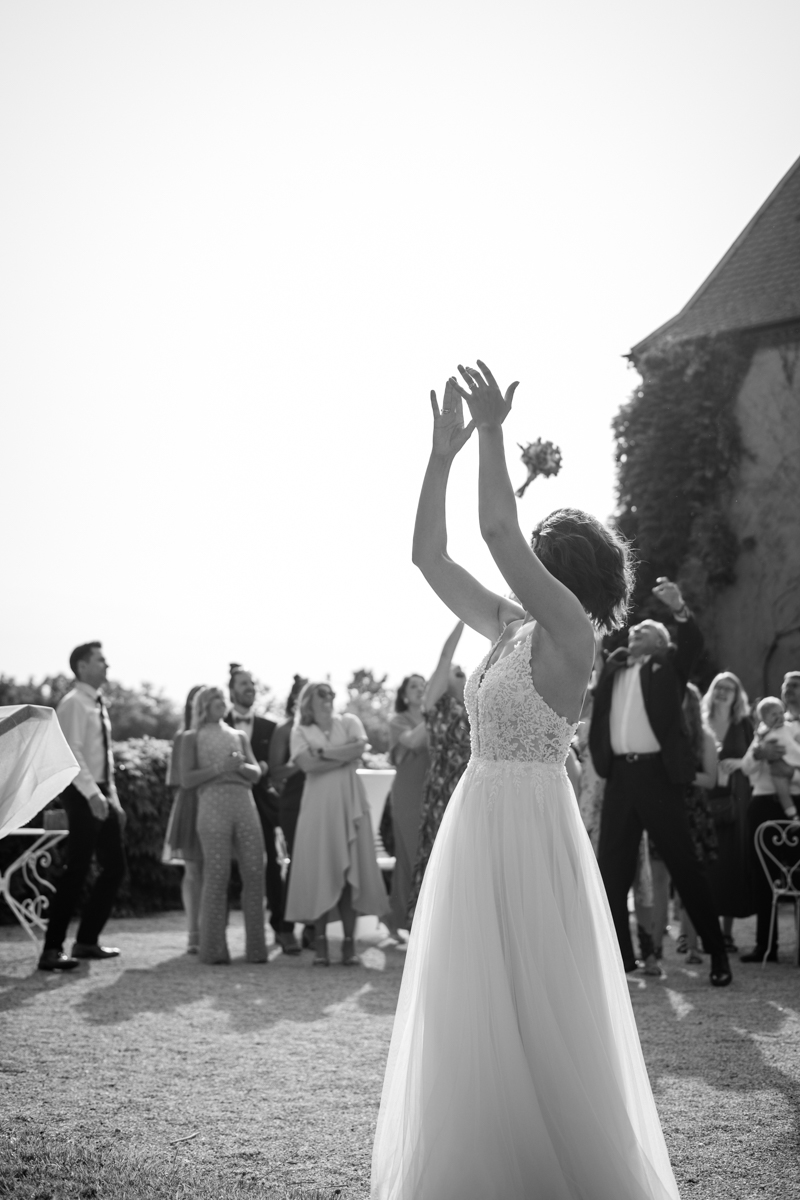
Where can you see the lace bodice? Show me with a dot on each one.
(509, 720)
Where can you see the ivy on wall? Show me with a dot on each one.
(678, 450)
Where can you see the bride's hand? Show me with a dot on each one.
(449, 434)
(487, 405)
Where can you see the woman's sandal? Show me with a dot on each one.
(321, 945)
(349, 956)
(720, 975)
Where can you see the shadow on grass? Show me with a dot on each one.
(737, 1040)
(15, 991)
(35, 1168)
(254, 996)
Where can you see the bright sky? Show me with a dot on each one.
(239, 243)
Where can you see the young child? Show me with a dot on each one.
(772, 731)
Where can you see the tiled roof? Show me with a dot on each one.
(757, 283)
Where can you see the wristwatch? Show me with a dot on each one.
(681, 614)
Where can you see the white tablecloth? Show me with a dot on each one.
(36, 764)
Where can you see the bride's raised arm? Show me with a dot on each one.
(481, 609)
(548, 601)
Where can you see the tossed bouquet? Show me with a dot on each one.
(541, 458)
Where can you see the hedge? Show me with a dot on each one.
(141, 777)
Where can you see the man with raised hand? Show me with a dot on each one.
(639, 745)
(95, 816)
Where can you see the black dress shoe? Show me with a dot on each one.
(56, 960)
(636, 965)
(758, 955)
(288, 943)
(721, 974)
(80, 950)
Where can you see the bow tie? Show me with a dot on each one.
(242, 720)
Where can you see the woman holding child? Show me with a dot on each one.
(774, 799)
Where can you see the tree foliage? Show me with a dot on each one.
(140, 774)
(373, 703)
(678, 447)
(134, 712)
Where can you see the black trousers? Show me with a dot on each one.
(762, 808)
(88, 837)
(638, 796)
(273, 881)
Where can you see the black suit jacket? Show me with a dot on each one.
(266, 797)
(663, 678)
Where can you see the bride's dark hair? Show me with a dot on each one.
(594, 562)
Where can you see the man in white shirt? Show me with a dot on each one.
(640, 746)
(95, 816)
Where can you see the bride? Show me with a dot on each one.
(515, 1071)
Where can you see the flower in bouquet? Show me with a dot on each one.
(541, 458)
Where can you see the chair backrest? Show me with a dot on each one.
(778, 850)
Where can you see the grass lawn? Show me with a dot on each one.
(151, 1075)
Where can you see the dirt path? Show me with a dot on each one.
(278, 1069)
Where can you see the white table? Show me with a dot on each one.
(31, 912)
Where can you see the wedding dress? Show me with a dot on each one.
(515, 1070)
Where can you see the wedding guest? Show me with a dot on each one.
(219, 762)
(704, 839)
(773, 731)
(640, 747)
(590, 785)
(259, 730)
(447, 724)
(95, 816)
(726, 709)
(181, 843)
(766, 806)
(288, 780)
(408, 753)
(334, 866)
(701, 823)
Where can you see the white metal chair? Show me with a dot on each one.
(778, 850)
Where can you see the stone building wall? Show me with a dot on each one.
(753, 628)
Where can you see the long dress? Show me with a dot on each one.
(590, 792)
(181, 843)
(515, 1070)
(731, 876)
(411, 767)
(334, 843)
(448, 746)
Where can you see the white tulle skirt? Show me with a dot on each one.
(515, 1070)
